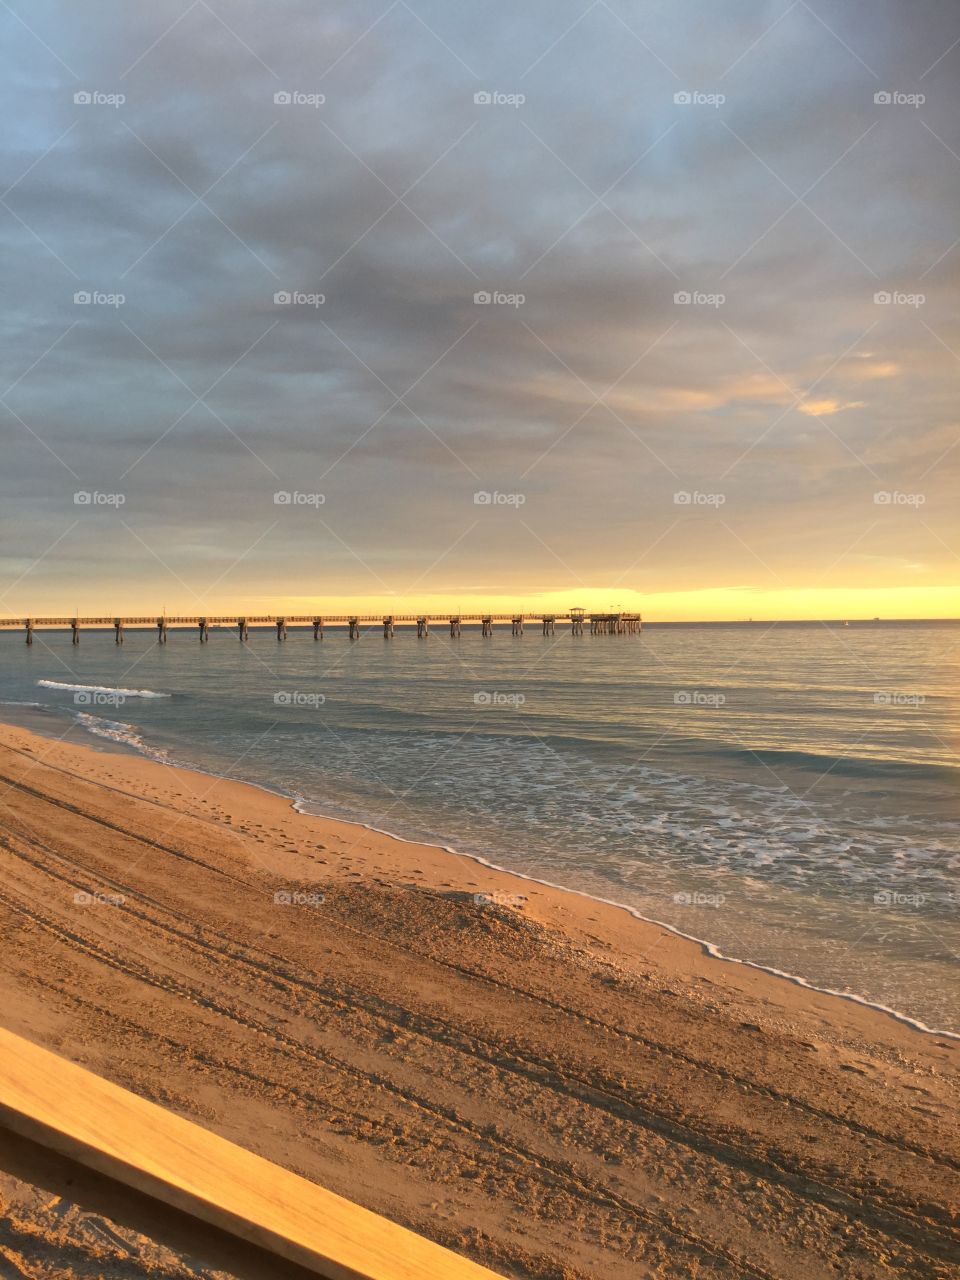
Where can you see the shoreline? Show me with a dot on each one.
(708, 948)
(538, 1080)
(140, 750)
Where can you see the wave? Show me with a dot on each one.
(119, 731)
(100, 688)
(877, 767)
(682, 755)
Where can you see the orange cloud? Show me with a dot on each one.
(824, 408)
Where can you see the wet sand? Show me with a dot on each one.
(529, 1077)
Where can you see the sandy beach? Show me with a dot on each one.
(534, 1079)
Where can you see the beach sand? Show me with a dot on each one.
(532, 1078)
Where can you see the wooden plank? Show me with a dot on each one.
(69, 1109)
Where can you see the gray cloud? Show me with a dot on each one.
(598, 199)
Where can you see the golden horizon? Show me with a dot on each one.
(713, 604)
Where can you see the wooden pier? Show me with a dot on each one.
(574, 619)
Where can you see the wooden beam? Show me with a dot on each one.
(51, 1101)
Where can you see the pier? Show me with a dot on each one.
(574, 620)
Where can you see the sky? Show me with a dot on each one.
(403, 304)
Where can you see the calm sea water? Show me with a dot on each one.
(789, 794)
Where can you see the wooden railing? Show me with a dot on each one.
(63, 1107)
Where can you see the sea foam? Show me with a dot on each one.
(99, 688)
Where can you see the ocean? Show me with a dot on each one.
(785, 793)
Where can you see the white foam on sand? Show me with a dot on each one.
(118, 731)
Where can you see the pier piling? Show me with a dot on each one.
(549, 625)
(423, 628)
(388, 628)
(318, 628)
(607, 624)
(454, 628)
(29, 626)
(486, 626)
(281, 628)
(517, 626)
(204, 628)
(118, 631)
(161, 631)
(243, 631)
(354, 625)
(75, 629)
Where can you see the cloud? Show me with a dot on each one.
(598, 199)
(825, 408)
